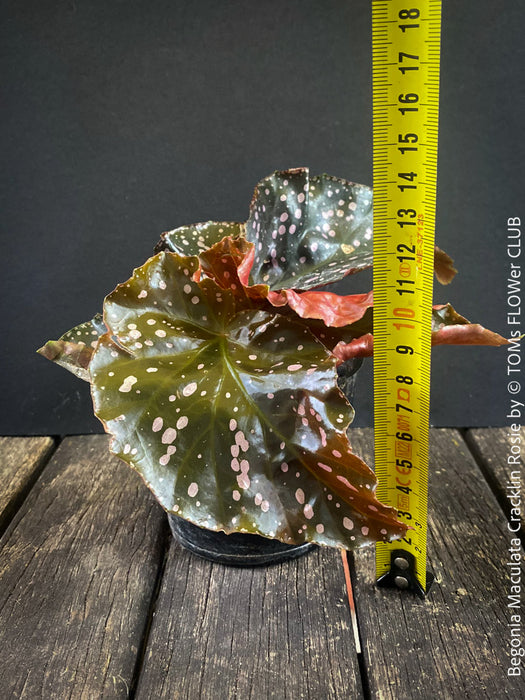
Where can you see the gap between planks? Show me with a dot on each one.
(456, 642)
(78, 567)
(22, 461)
(477, 442)
(490, 449)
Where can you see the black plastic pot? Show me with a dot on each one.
(237, 549)
(243, 549)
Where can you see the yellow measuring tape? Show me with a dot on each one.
(406, 53)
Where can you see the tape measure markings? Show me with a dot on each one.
(405, 48)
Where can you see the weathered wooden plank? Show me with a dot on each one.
(78, 567)
(499, 452)
(456, 643)
(21, 460)
(277, 632)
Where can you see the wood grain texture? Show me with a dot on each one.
(21, 459)
(78, 566)
(499, 453)
(228, 633)
(456, 643)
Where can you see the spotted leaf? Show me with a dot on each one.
(74, 349)
(231, 414)
(333, 319)
(229, 261)
(193, 239)
(309, 231)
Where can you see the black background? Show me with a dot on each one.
(124, 119)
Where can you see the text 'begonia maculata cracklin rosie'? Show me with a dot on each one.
(216, 367)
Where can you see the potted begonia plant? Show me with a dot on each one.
(217, 370)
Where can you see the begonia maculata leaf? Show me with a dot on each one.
(312, 231)
(331, 318)
(193, 239)
(228, 262)
(344, 323)
(308, 231)
(230, 413)
(74, 349)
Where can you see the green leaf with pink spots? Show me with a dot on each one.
(193, 239)
(309, 231)
(230, 413)
(74, 349)
(312, 231)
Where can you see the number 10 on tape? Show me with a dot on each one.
(406, 54)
